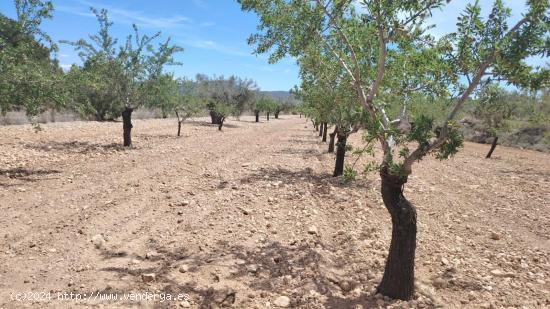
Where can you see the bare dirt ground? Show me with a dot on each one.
(250, 218)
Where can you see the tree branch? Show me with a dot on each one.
(424, 149)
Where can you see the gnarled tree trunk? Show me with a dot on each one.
(257, 114)
(332, 137)
(398, 279)
(221, 123)
(267, 116)
(127, 126)
(493, 146)
(321, 127)
(325, 128)
(277, 114)
(340, 155)
(215, 117)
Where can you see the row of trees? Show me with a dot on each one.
(114, 78)
(369, 64)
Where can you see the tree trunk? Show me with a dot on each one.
(257, 113)
(321, 129)
(127, 126)
(216, 117)
(179, 127)
(340, 155)
(493, 146)
(316, 125)
(221, 123)
(325, 128)
(267, 116)
(398, 279)
(331, 140)
(277, 114)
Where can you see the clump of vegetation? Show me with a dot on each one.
(225, 96)
(29, 79)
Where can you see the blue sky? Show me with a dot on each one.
(213, 33)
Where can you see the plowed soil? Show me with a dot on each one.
(250, 217)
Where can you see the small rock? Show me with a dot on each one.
(185, 304)
(148, 277)
(500, 273)
(282, 302)
(151, 255)
(98, 241)
(439, 283)
(495, 236)
(253, 268)
(184, 268)
(347, 285)
(313, 230)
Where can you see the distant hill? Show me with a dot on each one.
(278, 94)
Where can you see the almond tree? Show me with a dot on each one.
(494, 109)
(225, 97)
(328, 96)
(29, 79)
(121, 77)
(393, 34)
(176, 96)
(263, 103)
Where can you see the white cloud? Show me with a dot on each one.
(211, 45)
(208, 24)
(128, 16)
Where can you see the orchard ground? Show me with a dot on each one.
(250, 217)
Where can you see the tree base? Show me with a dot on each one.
(398, 279)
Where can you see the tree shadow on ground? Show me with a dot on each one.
(277, 264)
(305, 152)
(305, 137)
(321, 182)
(524, 172)
(208, 124)
(24, 174)
(305, 141)
(75, 147)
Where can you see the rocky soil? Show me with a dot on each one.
(250, 218)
